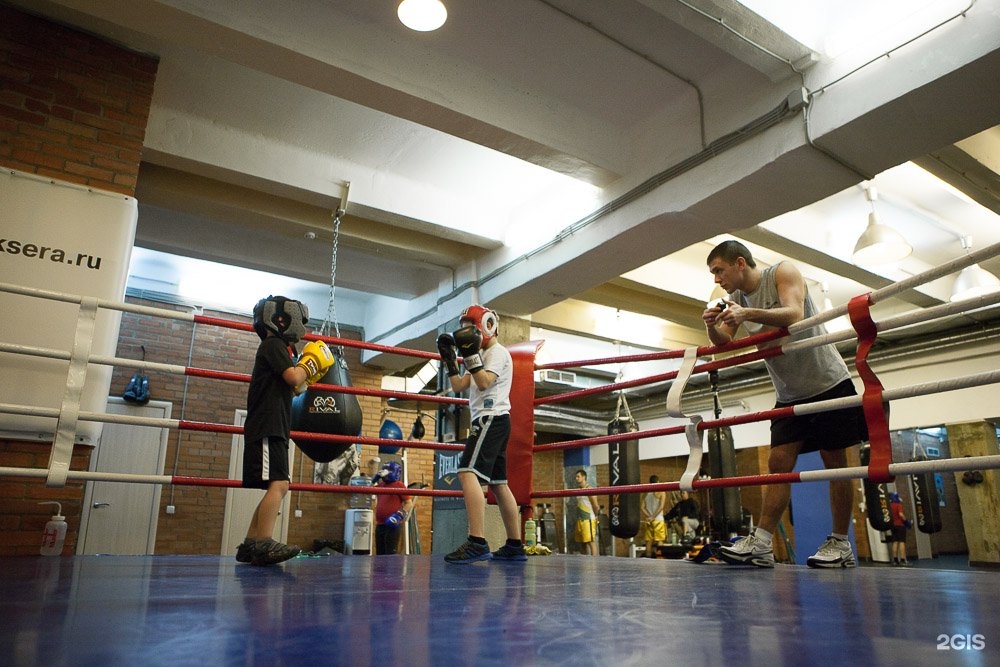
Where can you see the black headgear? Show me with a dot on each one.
(269, 313)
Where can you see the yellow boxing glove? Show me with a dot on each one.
(316, 359)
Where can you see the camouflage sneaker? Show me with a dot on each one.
(270, 552)
(244, 552)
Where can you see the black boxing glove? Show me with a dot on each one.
(448, 352)
(469, 340)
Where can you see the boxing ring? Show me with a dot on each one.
(557, 609)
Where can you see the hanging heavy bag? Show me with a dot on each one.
(876, 498)
(727, 510)
(318, 410)
(623, 466)
(925, 500)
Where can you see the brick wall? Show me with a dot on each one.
(72, 107)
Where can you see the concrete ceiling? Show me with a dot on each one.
(561, 160)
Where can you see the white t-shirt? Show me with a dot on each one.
(496, 399)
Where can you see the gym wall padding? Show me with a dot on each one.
(65, 238)
(522, 422)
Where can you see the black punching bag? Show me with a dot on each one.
(325, 411)
(727, 510)
(876, 498)
(925, 501)
(623, 467)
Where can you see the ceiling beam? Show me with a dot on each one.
(220, 202)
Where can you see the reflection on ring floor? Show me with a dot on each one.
(550, 610)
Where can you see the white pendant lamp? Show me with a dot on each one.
(422, 15)
(879, 243)
(973, 281)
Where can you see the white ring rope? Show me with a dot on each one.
(892, 290)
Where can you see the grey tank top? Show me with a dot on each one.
(803, 373)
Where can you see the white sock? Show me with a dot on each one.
(762, 535)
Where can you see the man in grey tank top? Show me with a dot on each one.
(771, 298)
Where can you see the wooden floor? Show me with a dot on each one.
(550, 610)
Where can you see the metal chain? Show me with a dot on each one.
(331, 311)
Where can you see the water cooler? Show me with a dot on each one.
(359, 520)
(358, 531)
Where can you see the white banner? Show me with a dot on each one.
(67, 238)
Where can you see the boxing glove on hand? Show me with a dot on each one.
(449, 355)
(316, 359)
(469, 340)
(396, 518)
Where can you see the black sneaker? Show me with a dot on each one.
(469, 552)
(244, 552)
(508, 552)
(269, 552)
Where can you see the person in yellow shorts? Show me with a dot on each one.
(654, 528)
(586, 517)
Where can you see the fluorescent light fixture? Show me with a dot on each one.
(422, 15)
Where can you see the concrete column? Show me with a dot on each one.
(980, 502)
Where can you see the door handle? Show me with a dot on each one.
(97, 505)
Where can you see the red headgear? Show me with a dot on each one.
(483, 319)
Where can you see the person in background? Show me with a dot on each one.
(685, 511)
(391, 511)
(897, 534)
(653, 526)
(586, 516)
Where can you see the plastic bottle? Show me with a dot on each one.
(55, 532)
(529, 533)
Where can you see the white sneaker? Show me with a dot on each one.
(748, 551)
(833, 553)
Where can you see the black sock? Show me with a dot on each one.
(477, 540)
(513, 543)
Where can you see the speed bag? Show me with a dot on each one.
(925, 501)
(876, 498)
(324, 411)
(623, 466)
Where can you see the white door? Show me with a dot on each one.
(120, 517)
(241, 503)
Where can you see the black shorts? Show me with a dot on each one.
(485, 452)
(824, 430)
(265, 461)
(897, 534)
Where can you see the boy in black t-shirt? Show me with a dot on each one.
(276, 377)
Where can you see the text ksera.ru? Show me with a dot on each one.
(58, 255)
